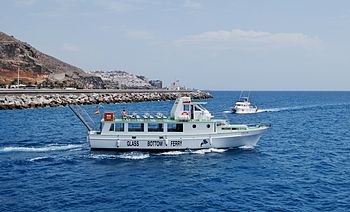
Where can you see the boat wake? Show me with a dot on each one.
(41, 149)
(288, 108)
(201, 151)
(134, 156)
(246, 147)
(145, 155)
(204, 151)
(270, 110)
(174, 153)
(296, 108)
(129, 155)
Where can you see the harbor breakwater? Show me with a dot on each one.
(22, 101)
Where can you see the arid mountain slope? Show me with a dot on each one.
(37, 68)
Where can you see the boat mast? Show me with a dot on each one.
(83, 116)
(17, 77)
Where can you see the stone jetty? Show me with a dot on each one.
(10, 102)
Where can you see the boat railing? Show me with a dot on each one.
(84, 117)
(260, 125)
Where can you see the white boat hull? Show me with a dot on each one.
(245, 111)
(168, 143)
(243, 106)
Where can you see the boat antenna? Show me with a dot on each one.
(17, 77)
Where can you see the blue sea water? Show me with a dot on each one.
(301, 164)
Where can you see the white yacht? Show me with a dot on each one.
(190, 126)
(244, 106)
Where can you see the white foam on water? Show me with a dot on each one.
(38, 158)
(40, 149)
(299, 107)
(247, 147)
(134, 156)
(285, 108)
(130, 155)
(200, 151)
(204, 151)
(218, 150)
(174, 153)
(270, 110)
(102, 156)
(143, 155)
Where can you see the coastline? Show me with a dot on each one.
(23, 99)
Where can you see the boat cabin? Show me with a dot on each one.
(243, 101)
(185, 109)
(185, 116)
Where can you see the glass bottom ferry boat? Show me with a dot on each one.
(190, 126)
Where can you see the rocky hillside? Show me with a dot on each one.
(37, 68)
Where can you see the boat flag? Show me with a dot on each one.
(97, 111)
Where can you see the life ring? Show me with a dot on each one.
(184, 113)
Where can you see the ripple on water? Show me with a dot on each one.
(301, 164)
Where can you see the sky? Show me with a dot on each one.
(215, 45)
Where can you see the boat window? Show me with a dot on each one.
(155, 127)
(194, 126)
(119, 127)
(197, 108)
(111, 128)
(208, 125)
(136, 127)
(186, 107)
(172, 127)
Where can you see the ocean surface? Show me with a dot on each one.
(301, 164)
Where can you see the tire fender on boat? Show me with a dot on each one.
(117, 143)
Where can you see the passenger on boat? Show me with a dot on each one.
(124, 114)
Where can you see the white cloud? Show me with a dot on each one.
(345, 15)
(249, 38)
(70, 47)
(116, 6)
(25, 2)
(82, 7)
(139, 35)
(191, 4)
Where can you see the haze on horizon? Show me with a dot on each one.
(218, 45)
